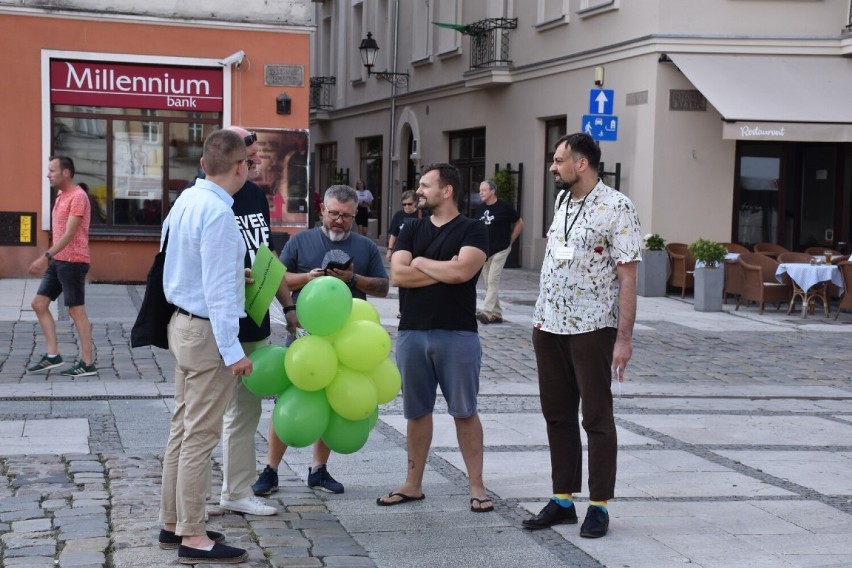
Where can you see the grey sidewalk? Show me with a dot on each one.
(734, 434)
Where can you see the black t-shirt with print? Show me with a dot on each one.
(251, 210)
(499, 219)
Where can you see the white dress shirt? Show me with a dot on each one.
(203, 273)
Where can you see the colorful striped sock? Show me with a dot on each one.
(563, 499)
(601, 504)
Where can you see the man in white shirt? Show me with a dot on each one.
(203, 278)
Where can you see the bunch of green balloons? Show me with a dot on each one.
(329, 383)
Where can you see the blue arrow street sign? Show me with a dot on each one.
(602, 127)
(601, 100)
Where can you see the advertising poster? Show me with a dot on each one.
(284, 175)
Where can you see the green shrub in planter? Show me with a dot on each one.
(711, 253)
(654, 242)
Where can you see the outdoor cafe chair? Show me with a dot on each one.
(769, 249)
(683, 267)
(734, 247)
(817, 292)
(846, 299)
(759, 282)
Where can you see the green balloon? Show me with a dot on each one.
(351, 394)
(373, 418)
(311, 363)
(324, 305)
(300, 417)
(346, 436)
(362, 345)
(268, 376)
(363, 310)
(387, 380)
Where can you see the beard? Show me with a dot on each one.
(337, 237)
(562, 184)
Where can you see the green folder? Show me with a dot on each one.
(267, 272)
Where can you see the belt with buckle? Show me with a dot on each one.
(190, 314)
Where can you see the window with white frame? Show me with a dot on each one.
(421, 26)
(552, 10)
(449, 12)
(592, 7)
(356, 67)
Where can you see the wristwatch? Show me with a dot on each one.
(288, 309)
(353, 280)
(47, 255)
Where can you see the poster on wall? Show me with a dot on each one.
(284, 175)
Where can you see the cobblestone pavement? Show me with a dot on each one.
(736, 427)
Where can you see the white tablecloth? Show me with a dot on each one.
(807, 275)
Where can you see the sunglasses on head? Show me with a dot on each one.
(250, 139)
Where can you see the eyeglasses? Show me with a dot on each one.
(339, 215)
(250, 139)
(408, 204)
(250, 163)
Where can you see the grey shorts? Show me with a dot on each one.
(439, 358)
(65, 277)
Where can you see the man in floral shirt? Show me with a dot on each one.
(583, 322)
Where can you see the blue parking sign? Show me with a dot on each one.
(602, 127)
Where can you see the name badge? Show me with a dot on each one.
(564, 253)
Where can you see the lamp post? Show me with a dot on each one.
(369, 49)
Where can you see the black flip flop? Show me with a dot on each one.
(481, 509)
(405, 499)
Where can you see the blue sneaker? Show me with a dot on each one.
(267, 482)
(319, 478)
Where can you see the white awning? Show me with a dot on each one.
(771, 97)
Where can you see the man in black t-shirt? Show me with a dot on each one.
(407, 214)
(504, 227)
(251, 210)
(436, 263)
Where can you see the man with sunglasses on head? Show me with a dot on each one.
(242, 415)
(407, 214)
(365, 275)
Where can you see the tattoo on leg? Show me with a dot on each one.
(410, 464)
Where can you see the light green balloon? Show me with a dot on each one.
(363, 310)
(387, 380)
(300, 417)
(311, 363)
(346, 436)
(351, 394)
(324, 305)
(268, 376)
(362, 345)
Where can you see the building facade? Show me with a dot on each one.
(129, 92)
(721, 119)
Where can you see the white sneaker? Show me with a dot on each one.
(248, 505)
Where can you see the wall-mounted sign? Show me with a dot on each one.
(283, 75)
(93, 83)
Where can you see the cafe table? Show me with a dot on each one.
(810, 282)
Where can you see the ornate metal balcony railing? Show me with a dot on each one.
(489, 42)
(322, 93)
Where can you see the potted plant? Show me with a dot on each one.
(709, 274)
(652, 272)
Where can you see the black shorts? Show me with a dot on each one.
(65, 277)
(362, 217)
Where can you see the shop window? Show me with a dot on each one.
(134, 167)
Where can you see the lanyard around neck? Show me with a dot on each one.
(567, 228)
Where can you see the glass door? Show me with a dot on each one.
(819, 179)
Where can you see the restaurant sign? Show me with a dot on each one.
(92, 83)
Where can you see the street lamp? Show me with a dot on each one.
(369, 49)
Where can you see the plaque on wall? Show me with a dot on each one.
(283, 75)
(17, 229)
(687, 99)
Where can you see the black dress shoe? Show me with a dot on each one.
(552, 514)
(168, 539)
(596, 523)
(219, 554)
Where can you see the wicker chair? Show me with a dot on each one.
(759, 282)
(818, 292)
(819, 251)
(734, 247)
(769, 249)
(846, 299)
(682, 264)
(794, 257)
(733, 272)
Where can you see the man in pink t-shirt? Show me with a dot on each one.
(65, 265)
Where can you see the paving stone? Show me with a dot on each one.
(33, 525)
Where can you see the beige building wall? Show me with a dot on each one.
(675, 165)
